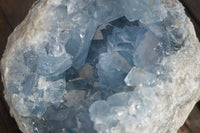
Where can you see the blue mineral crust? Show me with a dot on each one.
(87, 62)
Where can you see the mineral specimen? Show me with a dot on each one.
(107, 66)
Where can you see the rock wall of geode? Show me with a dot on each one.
(56, 36)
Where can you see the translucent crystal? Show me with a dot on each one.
(99, 8)
(146, 55)
(135, 10)
(112, 69)
(138, 76)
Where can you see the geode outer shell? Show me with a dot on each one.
(56, 39)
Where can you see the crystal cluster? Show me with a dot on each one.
(107, 66)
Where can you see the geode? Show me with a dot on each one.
(107, 66)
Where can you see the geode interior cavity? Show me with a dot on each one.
(106, 66)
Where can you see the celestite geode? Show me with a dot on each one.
(106, 66)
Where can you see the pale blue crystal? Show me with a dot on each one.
(51, 65)
(112, 69)
(138, 76)
(99, 8)
(135, 10)
(148, 11)
(146, 55)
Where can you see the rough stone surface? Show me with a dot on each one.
(107, 66)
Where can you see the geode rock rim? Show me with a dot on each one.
(185, 74)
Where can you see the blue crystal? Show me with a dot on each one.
(137, 76)
(136, 9)
(112, 69)
(50, 65)
(99, 8)
(30, 60)
(146, 56)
